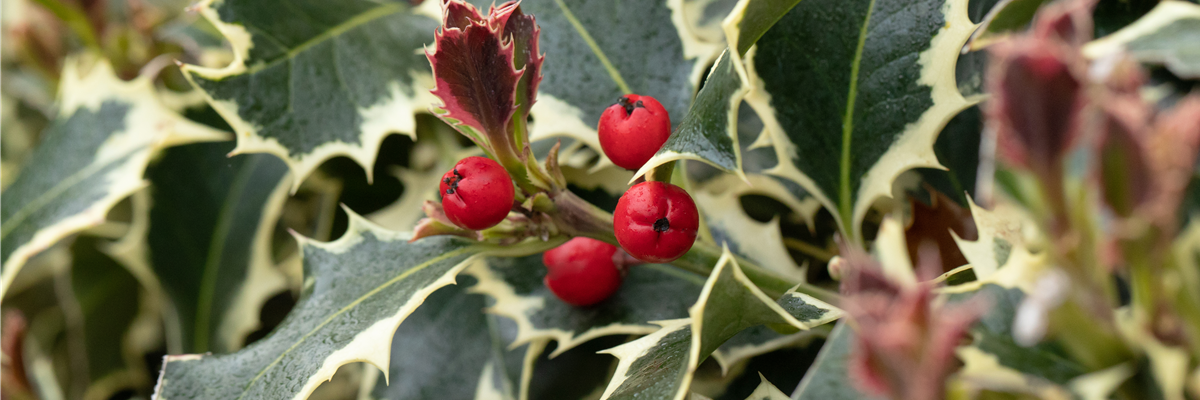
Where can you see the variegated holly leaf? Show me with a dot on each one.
(878, 79)
(660, 365)
(516, 286)
(828, 378)
(314, 80)
(720, 202)
(214, 260)
(449, 349)
(759, 340)
(92, 155)
(708, 132)
(1167, 35)
(993, 335)
(357, 290)
(851, 131)
(596, 52)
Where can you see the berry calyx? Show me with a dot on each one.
(477, 193)
(583, 271)
(656, 221)
(633, 129)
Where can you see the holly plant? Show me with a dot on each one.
(598, 199)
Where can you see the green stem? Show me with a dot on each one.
(75, 19)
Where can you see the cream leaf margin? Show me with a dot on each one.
(394, 114)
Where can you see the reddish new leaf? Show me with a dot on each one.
(480, 82)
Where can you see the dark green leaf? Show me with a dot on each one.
(211, 223)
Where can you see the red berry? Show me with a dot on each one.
(582, 271)
(633, 129)
(656, 221)
(477, 193)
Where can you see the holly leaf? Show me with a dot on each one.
(449, 349)
(314, 80)
(720, 202)
(358, 289)
(852, 131)
(516, 286)
(91, 156)
(214, 261)
(828, 378)
(708, 132)
(759, 340)
(1167, 35)
(660, 365)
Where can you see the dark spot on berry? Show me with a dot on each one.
(453, 182)
(624, 102)
(661, 225)
(639, 104)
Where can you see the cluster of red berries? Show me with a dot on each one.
(654, 221)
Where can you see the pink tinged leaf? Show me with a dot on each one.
(1068, 21)
(459, 15)
(474, 74)
(905, 346)
(1038, 100)
(523, 31)
(1124, 173)
(1172, 154)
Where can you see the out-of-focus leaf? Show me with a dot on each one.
(1007, 16)
(93, 155)
(660, 365)
(828, 378)
(649, 292)
(357, 290)
(450, 349)
(209, 241)
(1167, 35)
(111, 304)
(993, 334)
(314, 80)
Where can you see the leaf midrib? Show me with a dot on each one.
(353, 304)
(337, 30)
(845, 206)
(587, 37)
